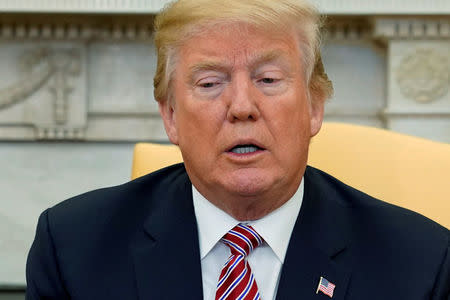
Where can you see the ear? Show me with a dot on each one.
(316, 116)
(168, 114)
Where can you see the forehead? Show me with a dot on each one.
(240, 44)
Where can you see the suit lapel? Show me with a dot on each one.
(166, 253)
(318, 245)
(167, 257)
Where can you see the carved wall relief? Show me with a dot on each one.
(63, 64)
(36, 71)
(50, 91)
(418, 73)
(423, 75)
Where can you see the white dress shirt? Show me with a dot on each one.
(265, 261)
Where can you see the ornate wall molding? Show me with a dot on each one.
(411, 115)
(345, 7)
(423, 75)
(347, 29)
(374, 7)
(59, 133)
(74, 31)
(418, 73)
(65, 78)
(38, 66)
(412, 28)
(109, 106)
(32, 79)
(418, 98)
(377, 7)
(49, 97)
(83, 6)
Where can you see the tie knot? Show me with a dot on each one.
(242, 239)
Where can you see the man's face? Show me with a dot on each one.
(240, 114)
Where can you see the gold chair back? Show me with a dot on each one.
(406, 171)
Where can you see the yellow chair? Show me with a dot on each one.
(403, 170)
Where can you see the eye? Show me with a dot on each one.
(269, 77)
(271, 82)
(208, 84)
(268, 80)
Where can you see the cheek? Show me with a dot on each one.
(290, 127)
(199, 121)
(289, 115)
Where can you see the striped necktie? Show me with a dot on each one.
(236, 280)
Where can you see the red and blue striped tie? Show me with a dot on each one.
(236, 280)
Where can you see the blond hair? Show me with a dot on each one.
(182, 19)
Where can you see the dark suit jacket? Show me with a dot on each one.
(139, 241)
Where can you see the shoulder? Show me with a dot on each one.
(123, 204)
(368, 214)
(384, 242)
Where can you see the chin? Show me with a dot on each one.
(249, 185)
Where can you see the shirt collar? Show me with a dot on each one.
(276, 227)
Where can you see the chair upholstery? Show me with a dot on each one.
(406, 171)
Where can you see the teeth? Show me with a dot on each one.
(244, 149)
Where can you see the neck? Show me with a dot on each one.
(249, 208)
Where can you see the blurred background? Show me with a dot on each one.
(76, 93)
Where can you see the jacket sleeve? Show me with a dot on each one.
(42, 271)
(442, 285)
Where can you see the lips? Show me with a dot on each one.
(245, 147)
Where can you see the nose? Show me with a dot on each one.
(242, 99)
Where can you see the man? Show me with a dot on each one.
(241, 91)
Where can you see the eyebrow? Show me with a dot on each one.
(271, 56)
(266, 56)
(207, 66)
(257, 59)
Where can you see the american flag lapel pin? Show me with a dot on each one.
(325, 287)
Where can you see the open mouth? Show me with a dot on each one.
(245, 149)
